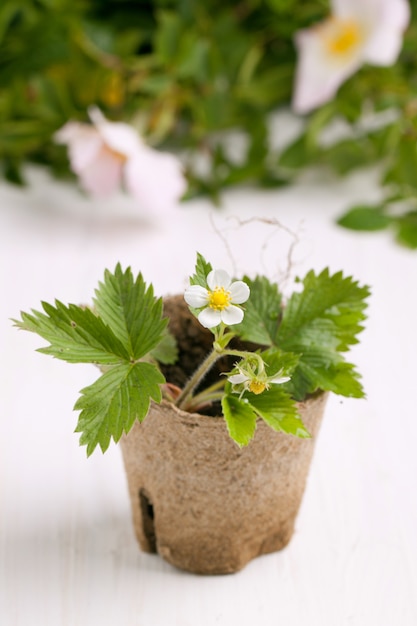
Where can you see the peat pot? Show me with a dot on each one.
(201, 502)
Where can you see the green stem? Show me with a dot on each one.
(197, 377)
(183, 399)
(199, 401)
(244, 355)
(209, 395)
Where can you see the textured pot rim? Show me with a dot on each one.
(192, 417)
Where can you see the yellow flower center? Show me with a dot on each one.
(257, 386)
(219, 298)
(342, 36)
(114, 153)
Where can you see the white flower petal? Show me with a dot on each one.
(98, 168)
(348, 8)
(69, 132)
(319, 74)
(96, 116)
(103, 175)
(118, 136)
(209, 318)
(231, 315)
(239, 292)
(237, 379)
(277, 380)
(196, 296)
(84, 143)
(386, 40)
(156, 178)
(373, 11)
(84, 152)
(218, 278)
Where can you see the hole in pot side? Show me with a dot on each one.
(148, 520)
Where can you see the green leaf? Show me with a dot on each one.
(8, 13)
(325, 371)
(364, 217)
(278, 361)
(341, 378)
(407, 230)
(240, 419)
(110, 406)
(131, 310)
(12, 171)
(279, 411)
(296, 155)
(403, 168)
(75, 334)
(168, 36)
(319, 323)
(328, 311)
(16, 136)
(193, 57)
(202, 269)
(262, 312)
(166, 351)
(350, 154)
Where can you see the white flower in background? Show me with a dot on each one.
(218, 300)
(106, 154)
(248, 380)
(357, 32)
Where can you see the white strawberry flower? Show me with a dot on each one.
(248, 380)
(356, 32)
(218, 300)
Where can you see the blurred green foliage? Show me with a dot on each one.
(184, 72)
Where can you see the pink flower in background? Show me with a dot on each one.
(106, 155)
(357, 32)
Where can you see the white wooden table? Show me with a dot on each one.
(68, 556)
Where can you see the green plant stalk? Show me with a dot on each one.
(187, 393)
(197, 377)
(207, 397)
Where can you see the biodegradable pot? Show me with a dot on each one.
(204, 504)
